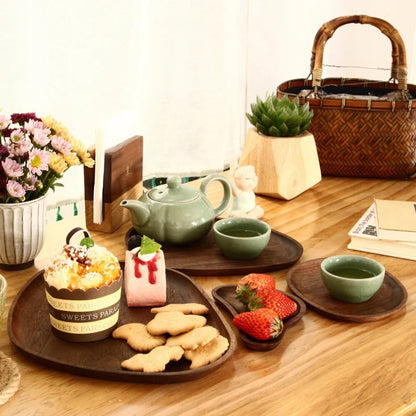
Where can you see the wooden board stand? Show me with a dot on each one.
(285, 166)
(123, 179)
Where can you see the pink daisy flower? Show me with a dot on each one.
(20, 149)
(17, 136)
(15, 190)
(31, 125)
(40, 137)
(61, 145)
(4, 121)
(38, 161)
(12, 168)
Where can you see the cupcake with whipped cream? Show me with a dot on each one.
(83, 289)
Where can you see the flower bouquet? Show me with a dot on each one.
(34, 154)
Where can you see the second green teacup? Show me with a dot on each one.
(352, 278)
(241, 238)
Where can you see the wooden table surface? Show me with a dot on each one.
(322, 366)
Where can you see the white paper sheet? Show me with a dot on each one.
(98, 177)
(113, 132)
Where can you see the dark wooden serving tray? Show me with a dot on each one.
(30, 331)
(305, 281)
(204, 258)
(225, 295)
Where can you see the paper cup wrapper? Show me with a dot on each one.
(84, 315)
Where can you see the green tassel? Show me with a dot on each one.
(59, 217)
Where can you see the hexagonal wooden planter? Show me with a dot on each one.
(285, 166)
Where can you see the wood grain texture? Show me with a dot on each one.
(285, 166)
(114, 214)
(123, 179)
(204, 257)
(321, 367)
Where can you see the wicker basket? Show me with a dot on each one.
(357, 134)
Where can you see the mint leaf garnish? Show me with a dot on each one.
(148, 246)
(87, 241)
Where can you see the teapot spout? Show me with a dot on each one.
(140, 212)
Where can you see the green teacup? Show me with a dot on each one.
(3, 294)
(241, 238)
(352, 278)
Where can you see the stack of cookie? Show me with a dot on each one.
(176, 331)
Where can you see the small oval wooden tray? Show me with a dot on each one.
(305, 281)
(225, 295)
(204, 258)
(30, 331)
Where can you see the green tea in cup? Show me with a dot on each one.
(244, 233)
(351, 278)
(241, 238)
(352, 273)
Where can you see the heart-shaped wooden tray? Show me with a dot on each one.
(30, 331)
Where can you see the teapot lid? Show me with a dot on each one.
(173, 191)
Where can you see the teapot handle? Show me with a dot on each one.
(225, 186)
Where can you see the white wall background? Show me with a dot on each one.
(182, 71)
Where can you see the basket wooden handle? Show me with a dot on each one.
(399, 62)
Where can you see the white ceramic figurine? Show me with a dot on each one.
(243, 180)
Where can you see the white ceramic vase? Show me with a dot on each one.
(22, 233)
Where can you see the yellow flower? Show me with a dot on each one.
(79, 152)
(57, 163)
(87, 160)
(75, 144)
(72, 159)
(55, 125)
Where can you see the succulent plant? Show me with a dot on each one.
(280, 117)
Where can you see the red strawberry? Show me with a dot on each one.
(262, 324)
(273, 299)
(253, 281)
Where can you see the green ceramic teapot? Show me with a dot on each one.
(176, 213)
